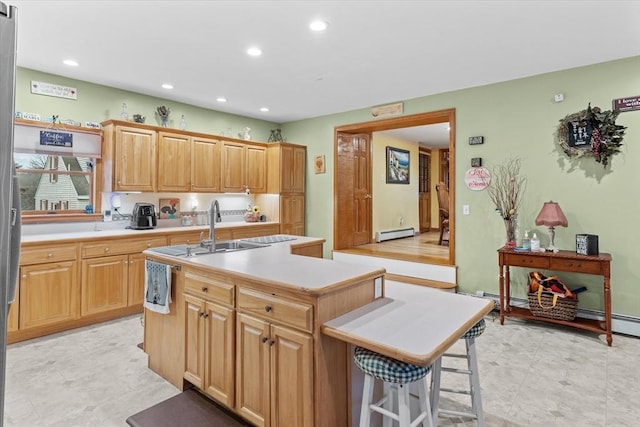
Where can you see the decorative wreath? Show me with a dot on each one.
(591, 132)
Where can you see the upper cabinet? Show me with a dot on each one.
(174, 162)
(205, 165)
(131, 152)
(243, 165)
(286, 168)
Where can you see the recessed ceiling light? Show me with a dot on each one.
(318, 25)
(264, 109)
(254, 51)
(221, 99)
(70, 62)
(167, 86)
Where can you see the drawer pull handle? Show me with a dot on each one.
(268, 308)
(205, 289)
(265, 339)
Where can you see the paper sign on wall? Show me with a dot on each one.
(49, 89)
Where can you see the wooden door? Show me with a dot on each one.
(256, 169)
(291, 378)
(104, 284)
(353, 201)
(135, 282)
(233, 167)
(134, 162)
(424, 191)
(194, 336)
(205, 165)
(252, 370)
(174, 162)
(48, 294)
(220, 359)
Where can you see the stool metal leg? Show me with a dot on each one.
(367, 398)
(474, 381)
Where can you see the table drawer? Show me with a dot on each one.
(210, 287)
(124, 246)
(276, 308)
(517, 260)
(47, 254)
(575, 265)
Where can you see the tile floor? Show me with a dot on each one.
(532, 374)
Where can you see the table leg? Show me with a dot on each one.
(607, 309)
(501, 296)
(507, 289)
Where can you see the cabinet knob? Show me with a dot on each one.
(49, 255)
(205, 315)
(265, 339)
(205, 289)
(268, 308)
(271, 342)
(106, 249)
(148, 245)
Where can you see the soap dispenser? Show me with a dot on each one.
(526, 241)
(535, 243)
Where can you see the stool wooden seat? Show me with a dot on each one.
(392, 372)
(474, 378)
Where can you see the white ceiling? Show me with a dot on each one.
(373, 53)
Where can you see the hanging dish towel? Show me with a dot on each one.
(157, 286)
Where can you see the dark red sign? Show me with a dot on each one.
(627, 104)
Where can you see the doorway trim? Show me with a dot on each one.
(421, 119)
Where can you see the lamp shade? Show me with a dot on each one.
(551, 215)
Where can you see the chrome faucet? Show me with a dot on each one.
(214, 213)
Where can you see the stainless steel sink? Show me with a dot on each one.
(220, 247)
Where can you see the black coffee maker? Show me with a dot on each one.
(144, 216)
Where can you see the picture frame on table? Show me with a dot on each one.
(397, 166)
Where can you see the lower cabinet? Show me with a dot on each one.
(209, 348)
(48, 294)
(12, 318)
(292, 214)
(104, 284)
(135, 280)
(274, 378)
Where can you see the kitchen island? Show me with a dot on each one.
(244, 327)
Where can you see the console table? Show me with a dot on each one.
(561, 261)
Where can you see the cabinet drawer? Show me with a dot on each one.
(575, 265)
(275, 308)
(516, 260)
(191, 238)
(210, 287)
(47, 254)
(124, 246)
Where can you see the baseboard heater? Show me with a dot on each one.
(381, 236)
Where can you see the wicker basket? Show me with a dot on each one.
(564, 309)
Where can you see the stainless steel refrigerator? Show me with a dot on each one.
(9, 193)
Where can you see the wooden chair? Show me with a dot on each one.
(443, 207)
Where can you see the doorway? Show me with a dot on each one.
(353, 176)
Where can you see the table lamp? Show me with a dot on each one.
(551, 215)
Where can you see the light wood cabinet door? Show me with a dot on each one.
(292, 215)
(135, 279)
(252, 370)
(174, 162)
(293, 169)
(134, 163)
(104, 284)
(48, 294)
(220, 359)
(233, 167)
(424, 211)
(205, 165)
(256, 169)
(194, 341)
(291, 378)
(12, 318)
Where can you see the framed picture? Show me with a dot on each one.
(169, 208)
(318, 164)
(397, 166)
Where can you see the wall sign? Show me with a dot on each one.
(50, 89)
(388, 110)
(476, 140)
(477, 179)
(57, 139)
(627, 104)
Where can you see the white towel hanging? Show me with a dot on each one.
(157, 286)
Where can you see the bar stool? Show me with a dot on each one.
(474, 378)
(393, 373)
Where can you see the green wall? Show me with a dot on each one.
(519, 118)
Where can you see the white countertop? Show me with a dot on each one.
(275, 265)
(117, 232)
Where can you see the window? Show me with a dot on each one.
(69, 188)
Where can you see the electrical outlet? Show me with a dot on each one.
(465, 209)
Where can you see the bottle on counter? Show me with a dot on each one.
(535, 243)
(526, 241)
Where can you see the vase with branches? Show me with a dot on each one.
(506, 189)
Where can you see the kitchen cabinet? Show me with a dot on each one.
(205, 165)
(14, 311)
(253, 231)
(243, 165)
(274, 380)
(174, 162)
(287, 177)
(193, 237)
(210, 335)
(48, 286)
(292, 214)
(131, 152)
